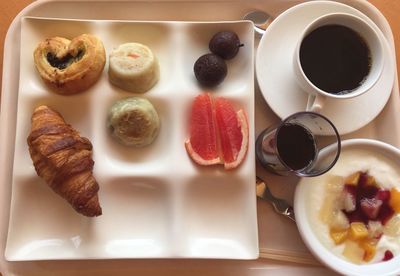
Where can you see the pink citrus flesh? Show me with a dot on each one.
(233, 131)
(202, 145)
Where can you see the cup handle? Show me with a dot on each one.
(315, 103)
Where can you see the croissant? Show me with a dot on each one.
(64, 160)
(70, 66)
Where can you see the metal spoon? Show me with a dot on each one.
(280, 205)
(260, 19)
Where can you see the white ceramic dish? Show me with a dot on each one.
(156, 202)
(306, 218)
(276, 78)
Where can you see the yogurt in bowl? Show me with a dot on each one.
(350, 216)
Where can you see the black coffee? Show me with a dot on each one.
(296, 146)
(335, 58)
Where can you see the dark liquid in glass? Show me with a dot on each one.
(335, 58)
(296, 146)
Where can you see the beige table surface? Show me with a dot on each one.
(390, 9)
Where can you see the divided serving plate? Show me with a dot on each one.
(156, 202)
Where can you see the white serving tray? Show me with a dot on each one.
(273, 229)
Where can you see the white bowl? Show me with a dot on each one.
(305, 225)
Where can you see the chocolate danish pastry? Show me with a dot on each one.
(70, 66)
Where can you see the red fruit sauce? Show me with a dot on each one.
(363, 191)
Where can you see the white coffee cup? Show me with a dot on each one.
(317, 96)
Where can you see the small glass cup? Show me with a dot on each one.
(294, 146)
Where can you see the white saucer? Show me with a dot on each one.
(277, 81)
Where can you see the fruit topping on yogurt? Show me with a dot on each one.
(361, 215)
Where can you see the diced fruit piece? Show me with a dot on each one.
(369, 247)
(351, 189)
(353, 252)
(349, 200)
(386, 213)
(328, 208)
(375, 229)
(368, 191)
(326, 211)
(395, 200)
(370, 180)
(388, 256)
(371, 207)
(335, 184)
(362, 181)
(358, 231)
(339, 236)
(392, 227)
(356, 216)
(383, 195)
(339, 221)
(353, 179)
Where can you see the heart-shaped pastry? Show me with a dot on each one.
(70, 66)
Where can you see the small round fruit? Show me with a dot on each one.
(226, 44)
(210, 70)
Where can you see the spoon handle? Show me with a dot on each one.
(280, 205)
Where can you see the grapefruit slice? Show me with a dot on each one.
(233, 132)
(202, 145)
(218, 134)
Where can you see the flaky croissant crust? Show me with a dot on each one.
(64, 160)
(88, 54)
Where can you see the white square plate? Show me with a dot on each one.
(156, 202)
